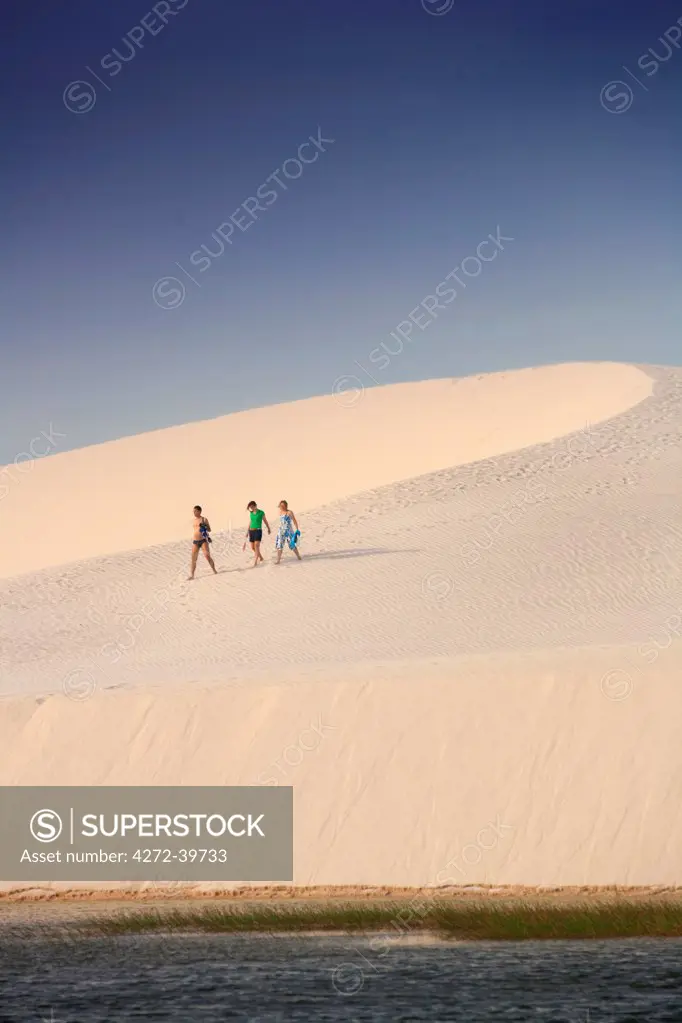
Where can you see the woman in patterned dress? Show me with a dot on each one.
(285, 533)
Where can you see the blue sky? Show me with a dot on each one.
(446, 128)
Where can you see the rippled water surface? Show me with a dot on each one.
(252, 978)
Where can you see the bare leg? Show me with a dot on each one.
(207, 553)
(297, 553)
(254, 548)
(259, 556)
(279, 555)
(195, 555)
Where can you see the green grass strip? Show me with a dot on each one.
(471, 921)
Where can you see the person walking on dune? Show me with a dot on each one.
(288, 532)
(202, 528)
(254, 533)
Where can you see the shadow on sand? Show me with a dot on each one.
(290, 559)
(356, 553)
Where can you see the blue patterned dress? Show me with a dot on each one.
(285, 532)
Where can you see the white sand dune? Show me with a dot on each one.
(513, 769)
(483, 634)
(131, 493)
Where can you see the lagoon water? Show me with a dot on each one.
(258, 979)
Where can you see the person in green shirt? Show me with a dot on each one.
(254, 533)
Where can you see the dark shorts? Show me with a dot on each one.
(255, 534)
(199, 543)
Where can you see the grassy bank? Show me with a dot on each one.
(481, 922)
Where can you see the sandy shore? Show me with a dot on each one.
(172, 894)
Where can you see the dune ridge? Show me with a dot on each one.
(132, 493)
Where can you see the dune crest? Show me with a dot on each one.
(131, 493)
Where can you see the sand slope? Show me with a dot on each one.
(499, 770)
(130, 493)
(487, 645)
